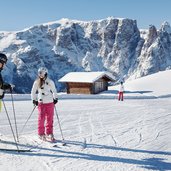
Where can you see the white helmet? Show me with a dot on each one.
(42, 71)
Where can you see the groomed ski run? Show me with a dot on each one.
(100, 135)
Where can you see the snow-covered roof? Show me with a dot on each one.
(85, 77)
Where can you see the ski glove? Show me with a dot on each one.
(55, 100)
(7, 86)
(35, 102)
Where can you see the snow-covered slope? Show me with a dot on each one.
(101, 134)
(157, 85)
(133, 135)
(112, 44)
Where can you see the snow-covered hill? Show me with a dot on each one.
(154, 85)
(112, 44)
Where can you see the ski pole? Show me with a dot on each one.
(15, 120)
(59, 124)
(10, 124)
(27, 119)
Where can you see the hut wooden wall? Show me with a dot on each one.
(100, 85)
(79, 88)
(88, 88)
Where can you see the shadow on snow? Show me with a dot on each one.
(148, 163)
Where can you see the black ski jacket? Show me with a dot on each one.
(4, 86)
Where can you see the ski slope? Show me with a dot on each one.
(101, 134)
(151, 86)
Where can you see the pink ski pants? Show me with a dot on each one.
(45, 118)
(120, 97)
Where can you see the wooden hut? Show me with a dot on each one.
(86, 82)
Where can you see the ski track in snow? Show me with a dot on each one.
(100, 135)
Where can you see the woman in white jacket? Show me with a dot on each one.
(44, 95)
(121, 91)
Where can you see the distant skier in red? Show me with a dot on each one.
(121, 91)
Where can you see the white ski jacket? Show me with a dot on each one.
(46, 93)
(121, 88)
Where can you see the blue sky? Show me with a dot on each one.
(19, 14)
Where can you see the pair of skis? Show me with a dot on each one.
(15, 150)
(55, 144)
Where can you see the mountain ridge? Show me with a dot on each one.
(113, 44)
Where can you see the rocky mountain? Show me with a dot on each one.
(112, 44)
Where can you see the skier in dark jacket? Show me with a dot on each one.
(3, 86)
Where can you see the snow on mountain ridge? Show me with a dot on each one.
(166, 27)
(112, 44)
